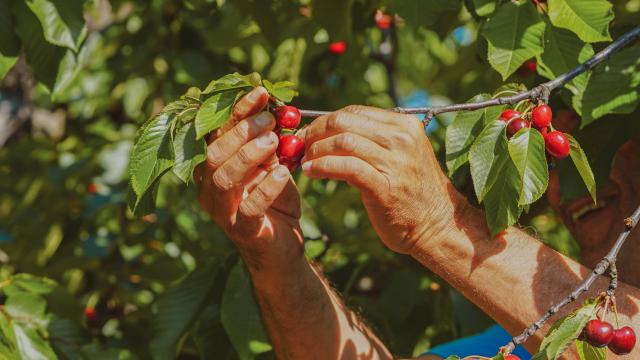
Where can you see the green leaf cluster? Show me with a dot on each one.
(508, 174)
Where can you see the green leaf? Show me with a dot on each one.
(613, 87)
(178, 309)
(31, 344)
(240, 315)
(588, 352)
(581, 162)
(7, 339)
(461, 133)
(42, 56)
(453, 357)
(25, 307)
(484, 155)
(145, 204)
(215, 111)
(62, 21)
(189, 152)
(565, 331)
(6, 63)
(589, 19)
(29, 283)
(334, 16)
(9, 42)
(563, 51)
(501, 201)
(233, 81)
(152, 154)
(66, 338)
(526, 149)
(484, 7)
(514, 34)
(282, 90)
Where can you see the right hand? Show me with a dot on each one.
(246, 192)
(390, 159)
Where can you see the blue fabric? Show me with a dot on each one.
(486, 343)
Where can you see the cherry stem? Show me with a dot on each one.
(538, 93)
(603, 265)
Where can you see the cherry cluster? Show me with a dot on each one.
(290, 147)
(600, 333)
(556, 142)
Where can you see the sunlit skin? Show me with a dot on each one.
(414, 209)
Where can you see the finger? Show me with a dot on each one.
(250, 104)
(354, 171)
(229, 143)
(342, 121)
(288, 202)
(254, 207)
(245, 161)
(348, 144)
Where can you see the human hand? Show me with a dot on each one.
(389, 158)
(246, 192)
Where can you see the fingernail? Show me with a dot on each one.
(281, 172)
(255, 94)
(263, 119)
(306, 166)
(266, 140)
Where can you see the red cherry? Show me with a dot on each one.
(528, 68)
(515, 125)
(557, 145)
(287, 117)
(383, 21)
(92, 188)
(91, 314)
(509, 114)
(598, 333)
(624, 340)
(541, 116)
(511, 357)
(290, 150)
(338, 47)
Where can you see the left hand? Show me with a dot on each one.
(389, 158)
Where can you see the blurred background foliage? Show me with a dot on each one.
(170, 284)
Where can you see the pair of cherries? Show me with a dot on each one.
(600, 333)
(290, 147)
(556, 143)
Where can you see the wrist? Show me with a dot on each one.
(285, 276)
(455, 217)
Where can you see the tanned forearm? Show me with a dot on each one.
(514, 277)
(306, 319)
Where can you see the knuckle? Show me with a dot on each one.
(244, 156)
(241, 131)
(248, 210)
(345, 142)
(401, 138)
(261, 195)
(215, 155)
(356, 109)
(221, 181)
(335, 121)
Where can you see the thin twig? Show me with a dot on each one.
(600, 269)
(540, 92)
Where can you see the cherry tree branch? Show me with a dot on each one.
(540, 92)
(608, 262)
